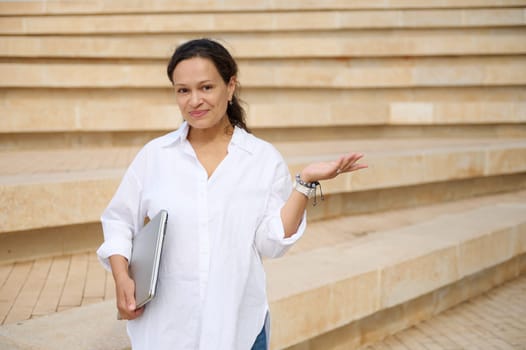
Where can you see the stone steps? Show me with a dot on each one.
(401, 67)
(327, 74)
(346, 283)
(124, 6)
(80, 183)
(353, 277)
(433, 94)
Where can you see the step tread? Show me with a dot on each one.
(32, 162)
(17, 163)
(357, 228)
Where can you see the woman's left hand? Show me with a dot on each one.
(329, 170)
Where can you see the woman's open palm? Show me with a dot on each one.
(329, 170)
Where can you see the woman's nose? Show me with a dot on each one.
(195, 99)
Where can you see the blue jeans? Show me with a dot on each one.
(261, 341)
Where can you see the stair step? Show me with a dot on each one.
(345, 73)
(261, 22)
(73, 116)
(126, 6)
(81, 183)
(349, 277)
(349, 281)
(377, 43)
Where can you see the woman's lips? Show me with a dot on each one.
(198, 114)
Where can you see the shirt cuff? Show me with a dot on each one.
(278, 232)
(115, 246)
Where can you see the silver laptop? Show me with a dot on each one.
(146, 257)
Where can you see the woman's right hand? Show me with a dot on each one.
(125, 293)
(124, 288)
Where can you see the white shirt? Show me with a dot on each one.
(211, 290)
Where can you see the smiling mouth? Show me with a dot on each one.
(197, 114)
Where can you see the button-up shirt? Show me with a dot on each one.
(211, 290)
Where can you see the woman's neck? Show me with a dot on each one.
(222, 132)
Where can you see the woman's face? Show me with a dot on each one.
(201, 93)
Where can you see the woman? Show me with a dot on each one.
(230, 202)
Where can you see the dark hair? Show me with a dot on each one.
(225, 65)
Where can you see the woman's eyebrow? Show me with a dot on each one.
(198, 83)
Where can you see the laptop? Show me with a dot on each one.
(146, 257)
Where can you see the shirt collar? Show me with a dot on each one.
(241, 138)
(177, 136)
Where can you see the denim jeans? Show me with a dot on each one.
(261, 341)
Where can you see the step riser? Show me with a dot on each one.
(494, 131)
(49, 242)
(54, 204)
(365, 202)
(385, 171)
(261, 22)
(389, 321)
(123, 6)
(327, 74)
(32, 141)
(388, 43)
(40, 117)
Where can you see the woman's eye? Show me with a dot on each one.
(207, 87)
(182, 90)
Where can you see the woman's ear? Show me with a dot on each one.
(231, 87)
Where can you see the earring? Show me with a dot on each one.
(230, 102)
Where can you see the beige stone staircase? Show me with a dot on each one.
(432, 92)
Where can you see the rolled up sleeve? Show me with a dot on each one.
(270, 234)
(121, 219)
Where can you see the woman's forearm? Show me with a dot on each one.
(119, 266)
(292, 212)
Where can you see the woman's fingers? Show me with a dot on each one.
(349, 163)
(138, 312)
(130, 299)
(329, 170)
(339, 166)
(126, 299)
